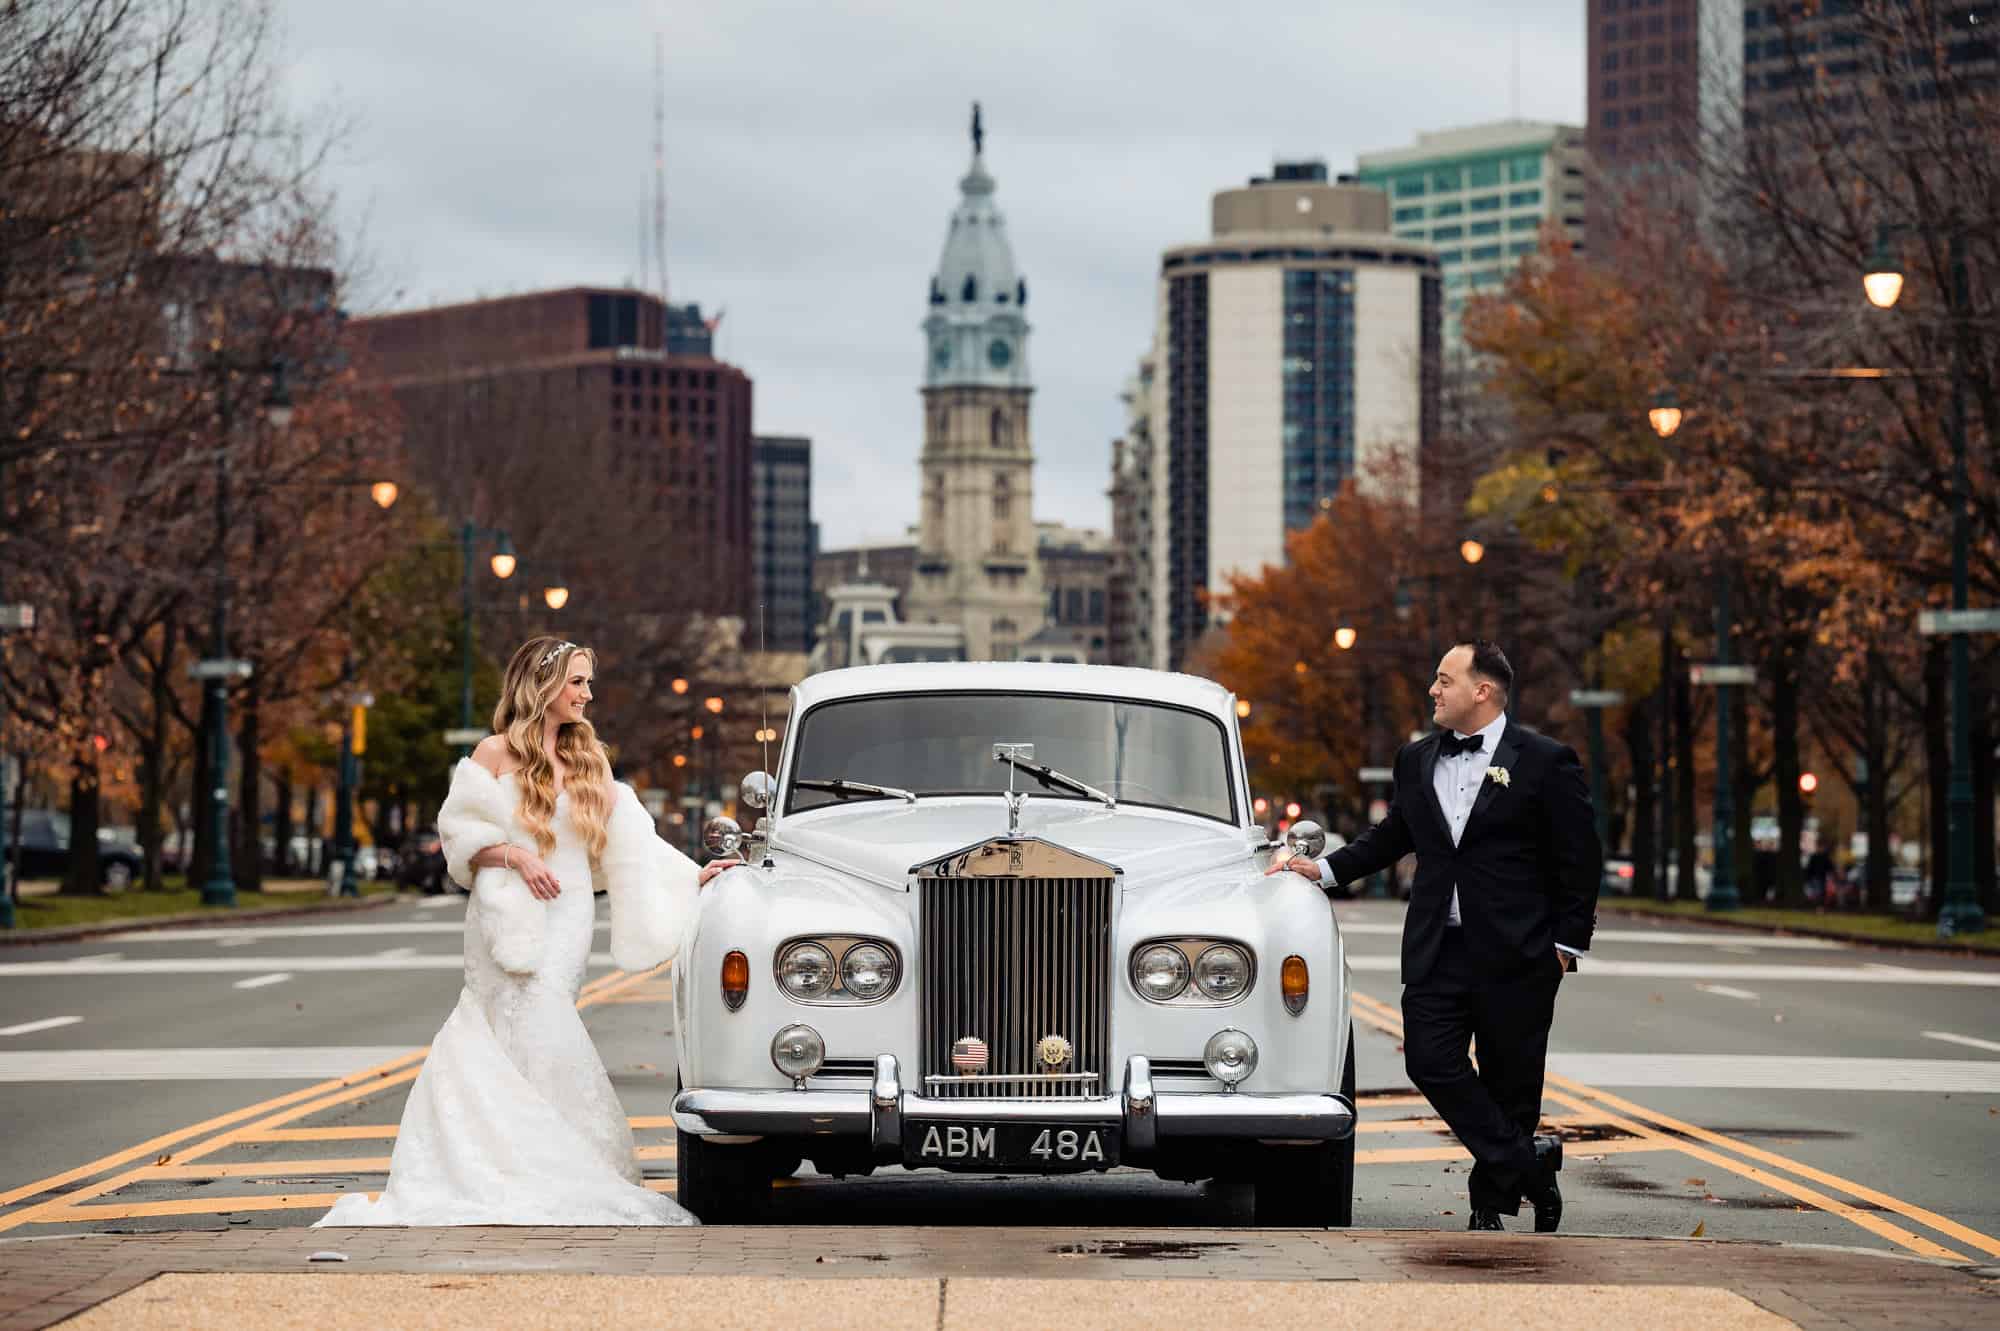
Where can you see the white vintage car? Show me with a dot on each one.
(1013, 919)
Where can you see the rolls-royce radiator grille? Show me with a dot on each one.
(1011, 962)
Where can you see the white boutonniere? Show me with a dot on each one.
(1500, 775)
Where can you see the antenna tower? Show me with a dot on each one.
(660, 169)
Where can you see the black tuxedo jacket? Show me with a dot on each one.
(1527, 867)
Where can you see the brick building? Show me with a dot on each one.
(536, 371)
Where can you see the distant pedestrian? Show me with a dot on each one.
(1505, 898)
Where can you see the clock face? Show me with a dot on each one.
(999, 353)
(941, 354)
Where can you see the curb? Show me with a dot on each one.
(192, 920)
(1798, 931)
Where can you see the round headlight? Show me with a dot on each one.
(868, 970)
(805, 970)
(1230, 1055)
(1223, 972)
(1161, 972)
(797, 1051)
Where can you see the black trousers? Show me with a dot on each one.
(1493, 1110)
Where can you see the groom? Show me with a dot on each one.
(1505, 898)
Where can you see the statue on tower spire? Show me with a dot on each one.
(978, 132)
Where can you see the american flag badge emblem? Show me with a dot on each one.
(969, 1054)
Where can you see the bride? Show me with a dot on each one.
(512, 1120)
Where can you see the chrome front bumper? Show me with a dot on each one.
(877, 1114)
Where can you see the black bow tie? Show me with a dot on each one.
(1451, 745)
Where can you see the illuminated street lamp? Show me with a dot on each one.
(1665, 415)
(1242, 707)
(1471, 551)
(1884, 279)
(384, 493)
(713, 704)
(555, 597)
(1344, 636)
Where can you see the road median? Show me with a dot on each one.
(1885, 931)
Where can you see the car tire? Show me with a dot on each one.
(117, 877)
(1311, 1187)
(722, 1185)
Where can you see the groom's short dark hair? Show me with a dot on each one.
(1491, 664)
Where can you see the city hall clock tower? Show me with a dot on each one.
(976, 564)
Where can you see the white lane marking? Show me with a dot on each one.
(1669, 938)
(1594, 968)
(1967, 1040)
(101, 956)
(1767, 1072)
(259, 981)
(440, 903)
(396, 953)
(247, 1064)
(1726, 991)
(423, 961)
(239, 935)
(45, 1024)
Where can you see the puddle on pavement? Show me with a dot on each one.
(1773, 1134)
(1465, 1259)
(1182, 1250)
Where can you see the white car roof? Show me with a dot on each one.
(1203, 695)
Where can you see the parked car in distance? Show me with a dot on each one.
(420, 863)
(1617, 878)
(45, 842)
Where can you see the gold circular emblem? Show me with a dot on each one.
(1054, 1051)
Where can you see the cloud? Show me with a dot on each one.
(813, 154)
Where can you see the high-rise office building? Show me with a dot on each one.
(1129, 590)
(1663, 80)
(1298, 347)
(1482, 196)
(781, 538)
(552, 369)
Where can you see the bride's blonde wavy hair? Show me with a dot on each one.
(534, 677)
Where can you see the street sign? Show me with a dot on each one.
(20, 615)
(1378, 774)
(1721, 674)
(1595, 698)
(470, 735)
(219, 669)
(1958, 621)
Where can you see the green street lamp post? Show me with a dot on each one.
(503, 564)
(1959, 911)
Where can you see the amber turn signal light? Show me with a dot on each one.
(735, 980)
(1295, 983)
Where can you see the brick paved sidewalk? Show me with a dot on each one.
(45, 1280)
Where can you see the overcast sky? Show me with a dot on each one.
(813, 156)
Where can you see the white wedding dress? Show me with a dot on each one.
(512, 1120)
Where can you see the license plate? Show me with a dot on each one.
(1009, 1148)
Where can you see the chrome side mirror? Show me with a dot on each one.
(1306, 840)
(757, 789)
(722, 836)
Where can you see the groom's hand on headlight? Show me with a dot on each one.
(1298, 864)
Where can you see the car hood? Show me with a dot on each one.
(883, 842)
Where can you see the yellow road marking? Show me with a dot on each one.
(331, 1133)
(292, 1105)
(1379, 1015)
(662, 1185)
(268, 1168)
(1439, 1125)
(1401, 1155)
(655, 1152)
(640, 1122)
(294, 1201)
(1908, 1210)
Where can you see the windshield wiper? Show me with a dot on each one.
(843, 788)
(1049, 777)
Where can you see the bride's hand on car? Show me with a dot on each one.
(714, 867)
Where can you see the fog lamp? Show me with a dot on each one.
(797, 1051)
(1230, 1056)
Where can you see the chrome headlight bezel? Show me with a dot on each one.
(796, 954)
(1192, 949)
(856, 958)
(1215, 957)
(836, 948)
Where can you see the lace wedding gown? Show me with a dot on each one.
(512, 1120)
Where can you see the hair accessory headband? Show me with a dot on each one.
(554, 652)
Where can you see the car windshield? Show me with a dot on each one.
(942, 744)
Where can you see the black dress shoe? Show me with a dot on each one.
(1484, 1219)
(1542, 1193)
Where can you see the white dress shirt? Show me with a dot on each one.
(1457, 782)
